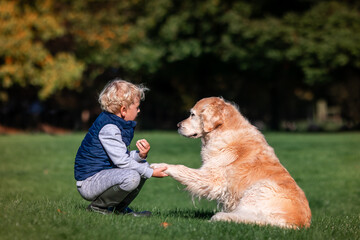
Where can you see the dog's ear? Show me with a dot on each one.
(212, 116)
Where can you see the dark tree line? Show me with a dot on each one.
(275, 59)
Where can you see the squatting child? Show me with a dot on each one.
(107, 173)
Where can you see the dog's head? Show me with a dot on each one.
(206, 116)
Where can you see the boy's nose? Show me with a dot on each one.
(179, 124)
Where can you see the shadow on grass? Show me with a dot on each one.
(189, 213)
(177, 213)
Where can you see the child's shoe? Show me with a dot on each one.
(129, 211)
(105, 211)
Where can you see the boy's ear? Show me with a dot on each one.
(123, 111)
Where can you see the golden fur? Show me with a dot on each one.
(240, 170)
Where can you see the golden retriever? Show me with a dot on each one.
(240, 170)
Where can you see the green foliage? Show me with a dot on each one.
(318, 41)
(137, 35)
(39, 200)
(325, 39)
(24, 33)
(183, 45)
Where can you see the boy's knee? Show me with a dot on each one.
(131, 182)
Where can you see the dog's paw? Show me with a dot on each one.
(222, 216)
(158, 165)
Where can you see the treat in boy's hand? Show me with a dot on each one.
(144, 147)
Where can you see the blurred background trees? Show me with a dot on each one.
(282, 62)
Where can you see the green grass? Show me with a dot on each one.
(39, 200)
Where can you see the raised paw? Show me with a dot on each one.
(158, 165)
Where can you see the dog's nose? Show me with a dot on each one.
(179, 124)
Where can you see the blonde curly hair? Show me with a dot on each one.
(118, 93)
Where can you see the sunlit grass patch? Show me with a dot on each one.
(39, 200)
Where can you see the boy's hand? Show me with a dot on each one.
(159, 172)
(144, 148)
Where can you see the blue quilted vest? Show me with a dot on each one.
(91, 157)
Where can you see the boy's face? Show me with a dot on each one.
(130, 113)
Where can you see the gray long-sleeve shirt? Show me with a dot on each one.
(110, 138)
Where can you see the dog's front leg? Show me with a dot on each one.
(180, 173)
(197, 181)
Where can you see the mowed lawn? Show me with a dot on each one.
(39, 200)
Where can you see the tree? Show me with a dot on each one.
(185, 50)
(325, 46)
(325, 39)
(24, 57)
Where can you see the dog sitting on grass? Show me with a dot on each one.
(240, 170)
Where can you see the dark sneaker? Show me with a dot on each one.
(112, 210)
(100, 210)
(129, 211)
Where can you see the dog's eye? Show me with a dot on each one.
(192, 115)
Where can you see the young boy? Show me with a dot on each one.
(107, 173)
